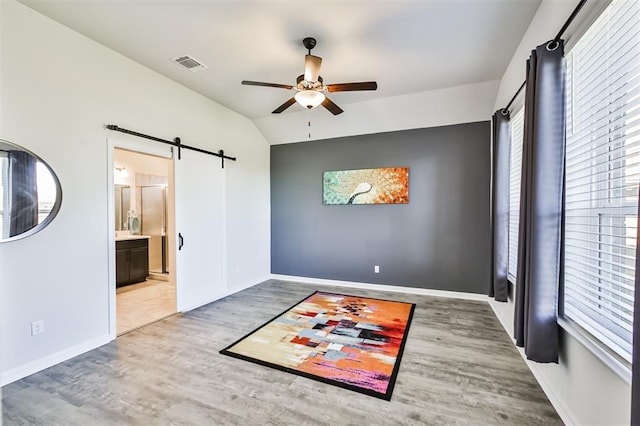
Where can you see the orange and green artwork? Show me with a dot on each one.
(389, 185)
(348, 341)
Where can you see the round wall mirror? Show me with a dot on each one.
(30, 193)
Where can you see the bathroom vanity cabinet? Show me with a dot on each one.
(132, 260)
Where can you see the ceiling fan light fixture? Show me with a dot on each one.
(309, 98)
(310, 86)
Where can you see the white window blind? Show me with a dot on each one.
(4, 199)
(47, 191)
(515, 169)
(602, 176)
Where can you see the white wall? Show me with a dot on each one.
(583, 389)
(454, 105)
(139, 163)
(58, 91)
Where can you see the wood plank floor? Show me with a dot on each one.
(459, 367)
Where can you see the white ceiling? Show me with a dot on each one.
(406, 46)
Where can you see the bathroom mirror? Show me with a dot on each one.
(122, 198)
(30, 193)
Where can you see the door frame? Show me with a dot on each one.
(141, 146)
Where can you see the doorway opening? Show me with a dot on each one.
(144, 248)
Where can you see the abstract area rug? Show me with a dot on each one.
(352, 342)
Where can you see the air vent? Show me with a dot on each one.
(189, 63)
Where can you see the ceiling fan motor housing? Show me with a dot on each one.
(302, 84)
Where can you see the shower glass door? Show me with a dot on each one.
(154, 224)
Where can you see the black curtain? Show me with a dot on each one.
(24, 192)
(501, 144)
(635, 380)
(541, 205)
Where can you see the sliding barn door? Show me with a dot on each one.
(200, 258)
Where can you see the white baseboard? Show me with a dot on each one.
(535, 369)
(22, 371)
(547, 388)
(246, 285)
(45, 362)
(384, 287)
(224, 294)
(501, 318)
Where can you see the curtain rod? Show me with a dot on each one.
(556, 39)
(176, 142)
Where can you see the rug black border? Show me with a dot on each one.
(394, 374)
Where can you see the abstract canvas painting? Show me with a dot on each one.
(348, 341)
(389, 185)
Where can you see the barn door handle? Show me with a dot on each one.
(181, 241)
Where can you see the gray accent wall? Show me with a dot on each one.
(440, 240)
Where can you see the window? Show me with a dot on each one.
(46, 195)
(4, 198)
(515, 169)
(602, 176)
(46, 191)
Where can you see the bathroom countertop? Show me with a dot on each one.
(131, 237)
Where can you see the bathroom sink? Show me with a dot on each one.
(130, 237)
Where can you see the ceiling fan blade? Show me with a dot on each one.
(352, 87)
(312, 67)
(332, 107)
(259, 83)
(284, 106)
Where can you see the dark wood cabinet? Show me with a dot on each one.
(132, 261)
(122, 266)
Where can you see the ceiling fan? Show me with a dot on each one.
(310, 86)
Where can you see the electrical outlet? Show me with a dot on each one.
(376, 269)
(37, 327)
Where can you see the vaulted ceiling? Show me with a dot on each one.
(406, 46)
